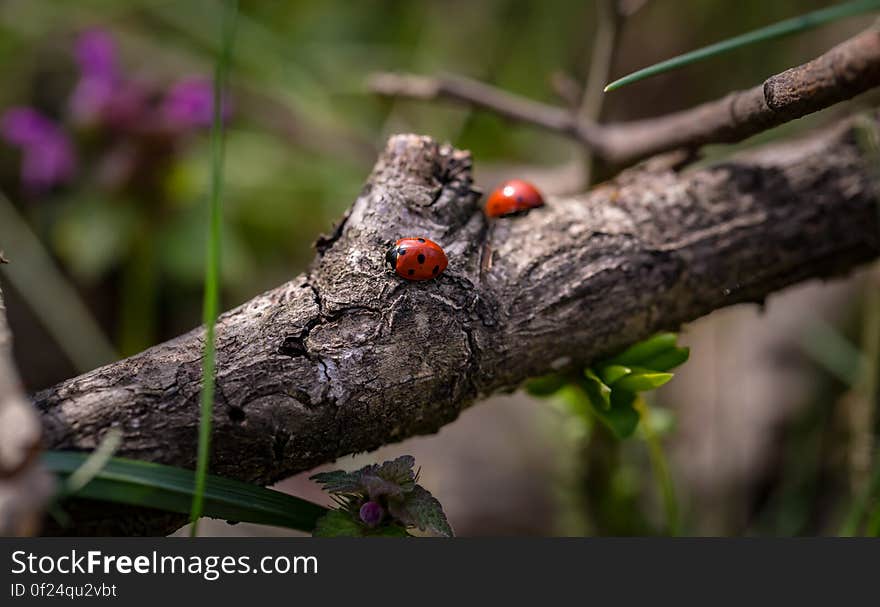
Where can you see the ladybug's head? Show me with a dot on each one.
(391, 257)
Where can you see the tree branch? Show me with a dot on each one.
(348, 357)
(845, 71)
(606, 42)
(487, 97)
(24, 485)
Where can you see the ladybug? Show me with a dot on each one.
(416, 258)
(513, 197)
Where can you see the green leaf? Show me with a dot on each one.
(137, 483)
(668, 360)
(639, 353)
(612, 373)
(399, 471)
(598, 393)
(338, 523)
(392, 478)
(642, 382)
(575, 400)
(338, 481)
(776, 30)
(545, 385)
(420, 509)
(622, 418)
(376, 487)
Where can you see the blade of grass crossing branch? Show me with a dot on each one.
(777, 30)
(137, 483)
(212, 265)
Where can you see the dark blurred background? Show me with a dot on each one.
(103, 178)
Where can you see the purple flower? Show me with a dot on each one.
(100, 84)
(371, 514)
(190, 103)
(46, 165)
(90, 99)
(104, 95)
(23, 126)
(47, 154)
(95, 53)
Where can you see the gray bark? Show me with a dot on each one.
(348, 357)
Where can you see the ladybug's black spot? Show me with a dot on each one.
(421, 239)
(421, 258)
(519, 199)
(435, 270)
(401, 251)
(411, 272)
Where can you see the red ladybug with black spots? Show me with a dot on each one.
(514, 197)
(416, 259)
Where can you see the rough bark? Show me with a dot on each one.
(348, 357)
(845, 71)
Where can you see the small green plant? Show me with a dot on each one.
(611, 386)
(377, 500)
(611, 391)
(380, 500)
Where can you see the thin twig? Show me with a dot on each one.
(479, 95)
(608, 25)
(845, 71)
(609, 21)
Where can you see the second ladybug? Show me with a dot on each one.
(513, 197)
(416, 258)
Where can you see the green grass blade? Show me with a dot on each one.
(660, 467)
(212, 266)
(138, 483)
(777, 30)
